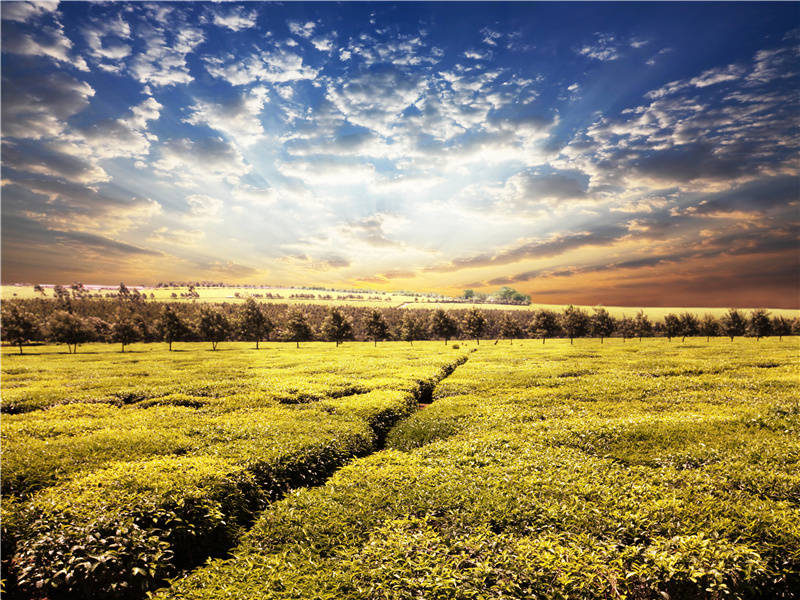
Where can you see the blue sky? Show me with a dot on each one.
(616, 153)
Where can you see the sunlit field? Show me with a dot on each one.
(367, 298)
(549, 470)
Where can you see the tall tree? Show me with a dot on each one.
(759, 324)
(672, 326)
(376, 327)
(213, 325)
(642, 325)
(411, 328)
(171, 327)
(298, 328)
(510, 328)
(18, 326)
(545, 324)
(123, 329)
(253, 325)
(574, 322)
(709, 326)
(65, 328)
(690, 326)
(781, 326)
(337, 327)
(626, 327)
(733, 323)
(443, 325)
(474, 324)
(601, 324)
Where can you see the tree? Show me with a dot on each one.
(376, 327)
(62, 297)
(510, 328)
(18, 326)
(337, 327)
(627, 327)
(574, 322)
(123, 330)
(469, 294)
(672, 326)
(759, 324)
(443, 325)
(781, 326)
(64, 327)
(544, 324)
(733, 323)
(709, 326)
(474, 324)
(690, 326)
(411, 328)
(171, 327)
(298, 328)
(642, 325)
(253, 324)
(601, 324)
(213, 326)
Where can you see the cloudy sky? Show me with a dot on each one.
(578, 152)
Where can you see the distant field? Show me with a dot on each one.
(625, 469)
(380, 299)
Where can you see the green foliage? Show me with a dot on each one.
(733, 323)
(759, 324)
(213, 325)
(337, 327)
(171, 327)
(601, 324)
(474, 323)
(443, 325)
(18, 326)
(376, 327)
(104, 500)
(65, 328)
(574, 322)
(644, 471)
(297, 327)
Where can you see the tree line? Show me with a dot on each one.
(132, 318)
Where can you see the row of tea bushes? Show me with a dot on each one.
(82, 518)
(685, 488)
(283, 374)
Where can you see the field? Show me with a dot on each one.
(373, 299)
(618, 470)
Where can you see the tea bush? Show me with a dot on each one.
(652, 471)
(102, 499)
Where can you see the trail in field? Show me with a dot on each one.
(422, 393)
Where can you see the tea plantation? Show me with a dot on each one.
(618, 470)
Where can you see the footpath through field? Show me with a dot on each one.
(621, 470)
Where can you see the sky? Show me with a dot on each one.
(619, 154)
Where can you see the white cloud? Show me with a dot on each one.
(48, 41)
(604, 48)
(35, 106)
(162, 63)
(235, 18)
(305, 30)
(270, 67)
(204, 208)
(324, 43)
(193, 162)
(714, 76)
(21, 12)
(236, 118)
